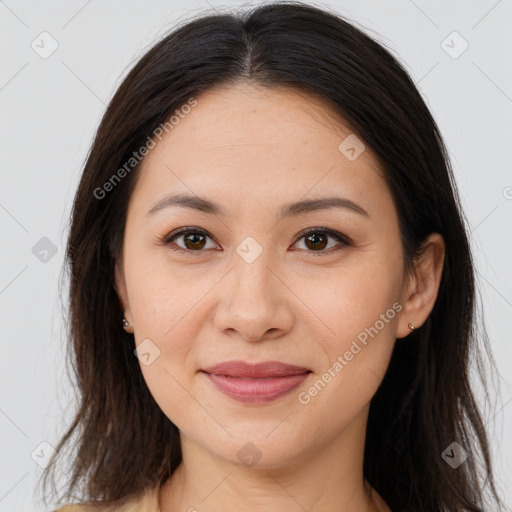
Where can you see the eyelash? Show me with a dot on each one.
(339, 237)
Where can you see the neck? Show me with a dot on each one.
(328, 478)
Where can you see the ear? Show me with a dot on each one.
(120, 286)
(420, 291)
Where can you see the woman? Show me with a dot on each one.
(272, 293)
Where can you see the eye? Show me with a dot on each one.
(193, 239)
(316, 240)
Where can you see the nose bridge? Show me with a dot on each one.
(252, 276)
(253, 302)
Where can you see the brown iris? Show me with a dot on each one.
(318, 241)
(194, 241)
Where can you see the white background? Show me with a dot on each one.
(50, 108)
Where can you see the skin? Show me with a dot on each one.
(252, 150)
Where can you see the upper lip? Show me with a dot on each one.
(259, 370)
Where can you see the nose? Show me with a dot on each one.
(255, 302)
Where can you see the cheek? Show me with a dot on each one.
(165, 312)
(161, 298)
(356, 357)
(354, 298)
(357, 315)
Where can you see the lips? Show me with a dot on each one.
(263, 370)
(261, 382)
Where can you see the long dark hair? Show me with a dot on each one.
(124, 443)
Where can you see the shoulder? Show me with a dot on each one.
(146, 501)
(78, 508)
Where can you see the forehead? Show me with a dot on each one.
(250, 116)
(260, 142)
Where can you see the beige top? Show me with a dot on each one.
(148, 502)
(145, 502)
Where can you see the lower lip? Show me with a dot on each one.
(256, 390)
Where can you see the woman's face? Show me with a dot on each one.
(246, 283)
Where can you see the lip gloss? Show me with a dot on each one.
(249, 389)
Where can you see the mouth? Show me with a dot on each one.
(261, 382)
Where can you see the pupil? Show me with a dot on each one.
(314, 238)
(195, 239)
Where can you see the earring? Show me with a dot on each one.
(125, 322)
(411, 327)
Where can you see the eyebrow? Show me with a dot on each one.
(288, 210)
